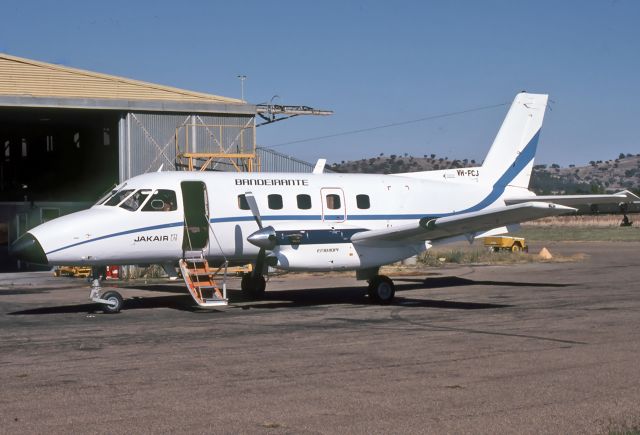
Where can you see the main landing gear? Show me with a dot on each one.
(381, 290)
(253, 285)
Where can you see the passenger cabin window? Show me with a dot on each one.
(119, 197)
(333, 201)
(135, 201)
(275, 201)
(362, 201)
(242, 203)
(161, 200)
(304, 202)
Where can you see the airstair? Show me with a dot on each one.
(200, 281)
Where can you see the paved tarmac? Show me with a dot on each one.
(534, 348)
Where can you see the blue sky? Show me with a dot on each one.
(373, 63)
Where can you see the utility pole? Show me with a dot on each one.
(242, 78)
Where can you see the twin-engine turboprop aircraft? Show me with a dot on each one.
(302, 221)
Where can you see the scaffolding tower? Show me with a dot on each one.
(228, 147)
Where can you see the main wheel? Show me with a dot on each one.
(115, 302)
(253, 285)
(381, 290)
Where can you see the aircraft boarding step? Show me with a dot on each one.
(201, 283)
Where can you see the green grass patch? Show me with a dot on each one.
(579, 234)
(624, 429)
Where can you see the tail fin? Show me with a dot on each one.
(510, 159)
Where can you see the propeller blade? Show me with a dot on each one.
(253, 205)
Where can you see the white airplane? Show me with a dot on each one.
(301, 221)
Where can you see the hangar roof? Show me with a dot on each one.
(30, 83)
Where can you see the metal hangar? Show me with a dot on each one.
(68, 135)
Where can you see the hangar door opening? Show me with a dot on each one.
(57, 154)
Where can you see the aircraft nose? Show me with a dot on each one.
(27, 248)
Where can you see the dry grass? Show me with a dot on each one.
(591, 228)
(591, 221)
(477, 256)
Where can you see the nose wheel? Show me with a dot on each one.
(111, 300)
(114, 302)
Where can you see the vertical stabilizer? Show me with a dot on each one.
(510, 159)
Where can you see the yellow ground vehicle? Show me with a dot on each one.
(75, 271)
(506, 243)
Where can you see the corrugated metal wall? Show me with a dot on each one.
(148, 140)
(273, 161)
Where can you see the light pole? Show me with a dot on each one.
(242, 78)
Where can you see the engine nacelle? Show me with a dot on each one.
(341, 256)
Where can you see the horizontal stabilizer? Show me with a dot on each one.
(574, 200)
(465, 223)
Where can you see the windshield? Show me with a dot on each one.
(118, 197)
(106, 195)
(134, 202)
(145, 199)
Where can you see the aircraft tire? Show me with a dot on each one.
(381, 290)
(116, 302)
(253, 286)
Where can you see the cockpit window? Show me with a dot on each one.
(162, 200)
(105, 196)
(135, 201)
(118, 197)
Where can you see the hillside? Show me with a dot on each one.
(599, 176)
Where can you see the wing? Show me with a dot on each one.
(465, 223)
(573, 200)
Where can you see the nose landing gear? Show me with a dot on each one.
(111, 300)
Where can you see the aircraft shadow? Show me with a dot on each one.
(181, 302)
(299, 298)
(455, 281)
(355, 296)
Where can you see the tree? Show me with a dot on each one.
(622, 156)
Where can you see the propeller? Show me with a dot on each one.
(264, 238)
(253, 205)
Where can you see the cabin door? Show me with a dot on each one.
(333, 207)
(196, 215)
